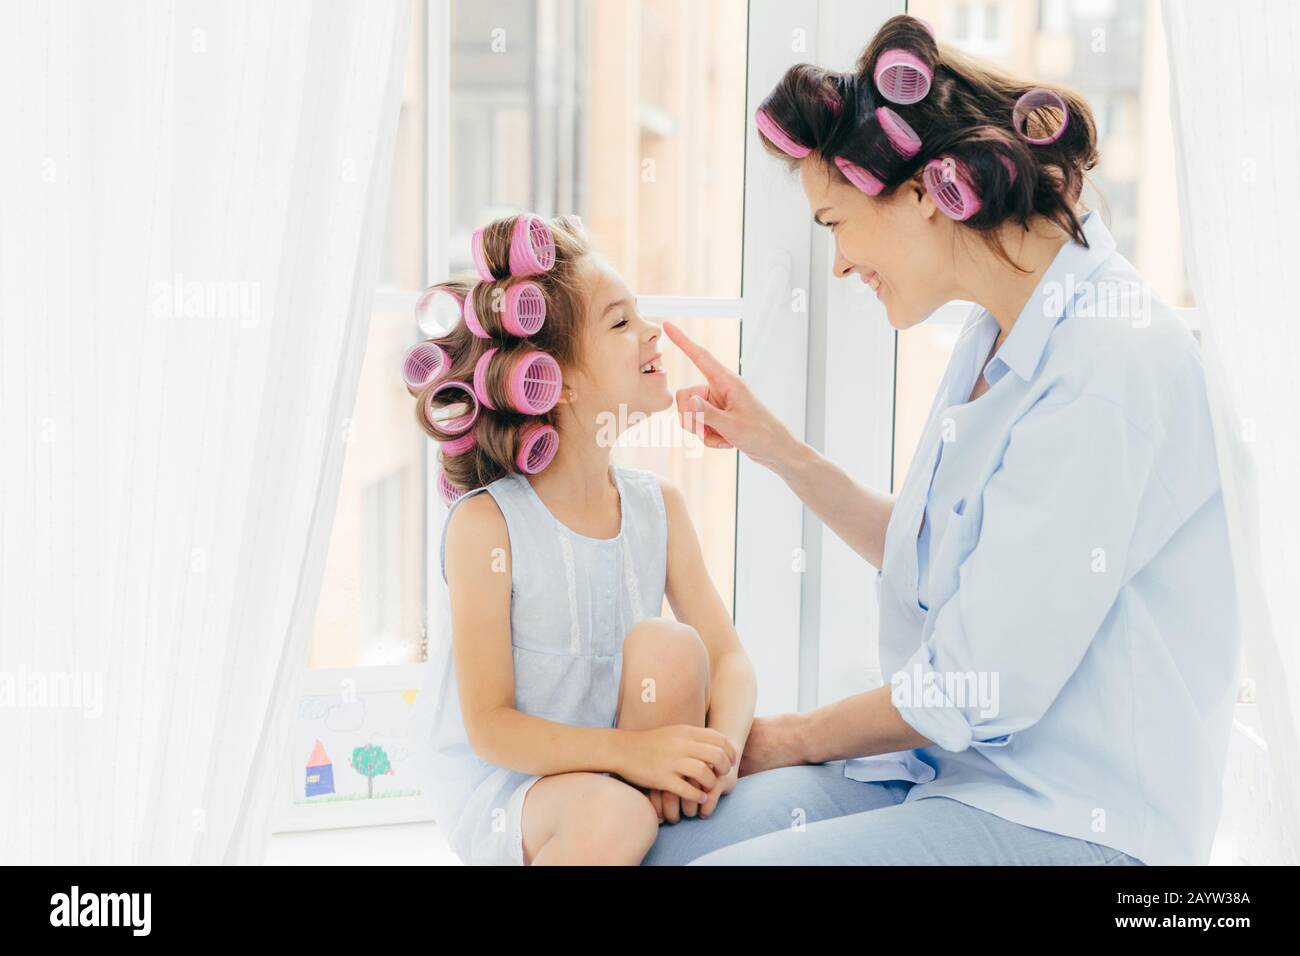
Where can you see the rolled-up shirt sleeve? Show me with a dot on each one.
(1057, 525)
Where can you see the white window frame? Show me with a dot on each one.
(827, 372)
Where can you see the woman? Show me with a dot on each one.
(1057, 616)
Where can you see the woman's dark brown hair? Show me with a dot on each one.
(966, 115)
(497, 432)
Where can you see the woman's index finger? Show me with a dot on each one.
(701, 357)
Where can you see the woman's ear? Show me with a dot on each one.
(919, 197)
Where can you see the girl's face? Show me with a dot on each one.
(899, 245)
(622, 368)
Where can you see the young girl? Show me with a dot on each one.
(569, 720)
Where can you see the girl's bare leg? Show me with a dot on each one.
(593, 818)
(586, 819)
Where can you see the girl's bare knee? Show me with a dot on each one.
(667, 648)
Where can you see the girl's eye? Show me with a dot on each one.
(619, 324)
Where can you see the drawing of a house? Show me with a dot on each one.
(320, 772)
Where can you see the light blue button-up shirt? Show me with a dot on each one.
(1064, 630)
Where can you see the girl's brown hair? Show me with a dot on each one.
(497, 433)
(966, 115)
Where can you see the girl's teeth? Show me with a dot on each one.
(874, 282)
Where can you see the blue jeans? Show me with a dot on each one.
(814, 815)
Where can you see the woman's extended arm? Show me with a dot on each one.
(859, 726)
(479, 579)
(727, 415)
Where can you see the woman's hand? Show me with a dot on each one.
(680, 759)
(725, 412)
(774, 742)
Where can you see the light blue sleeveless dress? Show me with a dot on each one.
(573, 599)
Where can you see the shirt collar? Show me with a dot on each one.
(1054, 294)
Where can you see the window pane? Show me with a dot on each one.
(1113, 54)
(403, 264)
(371, 608)
(706, 476)
(630, 114)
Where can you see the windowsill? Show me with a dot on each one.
(398, 844)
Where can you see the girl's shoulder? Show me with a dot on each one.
(482, 515)
(642, 486)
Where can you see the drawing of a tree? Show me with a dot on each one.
(370, 761)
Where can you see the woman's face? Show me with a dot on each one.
(898, 245)
(622, 368)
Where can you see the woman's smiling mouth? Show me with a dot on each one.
(654, 366)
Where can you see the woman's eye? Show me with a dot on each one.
(620, 323)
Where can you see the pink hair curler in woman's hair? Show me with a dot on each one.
(524, 309)
(532, 248)
(778, 136)
(471, 316)
(425, 363)
(479, 255)
(458, 446)
(1032, 102)
(947, 180)
(900, 135)
(454, 424)
(902, 77)
(859, 177)
(449, 492)
(437, 310)
(538, 444)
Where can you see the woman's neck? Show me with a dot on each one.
(998, 287)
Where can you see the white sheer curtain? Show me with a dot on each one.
(193, 200)
(1233, 71)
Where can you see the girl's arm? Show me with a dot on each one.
(479, 581)
(695, 601)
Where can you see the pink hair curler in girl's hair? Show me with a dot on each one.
(902, 77)
(537, 446)
(449, 492)
(458, 446)
(778, 136)
(437, 310)
(1032, 102)
(524, 309)
(532, 248)
(532, 385)
(457, 424)
(471, 316)
(479, 255)
(425, 363)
